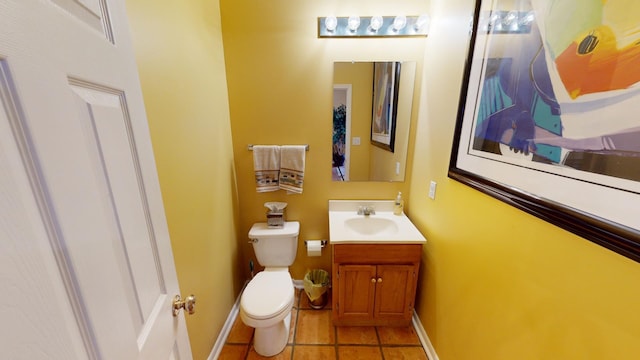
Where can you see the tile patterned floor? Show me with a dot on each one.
(313, 337)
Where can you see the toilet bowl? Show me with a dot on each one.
(266, 305)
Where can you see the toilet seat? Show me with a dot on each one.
(268, 295)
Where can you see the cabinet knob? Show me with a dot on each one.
(379, 280)
(373, 280)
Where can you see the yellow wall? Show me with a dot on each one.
(497, 283)
(280, 92)
(178, 49)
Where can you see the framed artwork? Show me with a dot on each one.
(548, 116)
(386, 81)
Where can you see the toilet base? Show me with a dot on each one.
(270, 341)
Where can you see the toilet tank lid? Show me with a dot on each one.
(262, 230)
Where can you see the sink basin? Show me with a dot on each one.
(371, 225)
(383, 227)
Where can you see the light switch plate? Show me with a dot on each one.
(432, 190)
(355, 140)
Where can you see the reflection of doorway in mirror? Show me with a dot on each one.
(341, 132)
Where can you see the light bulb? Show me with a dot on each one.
(494, 18)
(399, 22)
(376, 23)
(330, 23)
(422, 23)
(511, 17)
(353, 23)
(527, 18)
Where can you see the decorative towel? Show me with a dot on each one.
(266, 165)
(292, 167)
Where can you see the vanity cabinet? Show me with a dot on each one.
(374, 284)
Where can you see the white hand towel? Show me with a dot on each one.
(266, 165)
(292, 167)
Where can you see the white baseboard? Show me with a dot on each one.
(226, 328)
(424, 338)
(298, 284)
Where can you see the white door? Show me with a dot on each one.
(86, 268)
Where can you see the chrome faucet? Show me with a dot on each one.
(366, 210)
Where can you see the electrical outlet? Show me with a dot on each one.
(355, 140)
(432, 190)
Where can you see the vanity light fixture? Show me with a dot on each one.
(506, 22)
(526, 18)
(373, 26)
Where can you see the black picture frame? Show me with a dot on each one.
(489, 155)
(386, 85)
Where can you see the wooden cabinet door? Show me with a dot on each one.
(394, 292)
(356, 291)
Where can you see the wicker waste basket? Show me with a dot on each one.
(316, 283)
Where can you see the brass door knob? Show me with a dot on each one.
(188, 304)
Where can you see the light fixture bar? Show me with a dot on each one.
(506, 22)
(414, 26)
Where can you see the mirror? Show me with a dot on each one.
(372, 104)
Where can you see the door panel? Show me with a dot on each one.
(26, 261)
(394, 292)
(108, 133)
(93, 13)
(356, 291)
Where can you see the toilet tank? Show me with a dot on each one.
(275, 247)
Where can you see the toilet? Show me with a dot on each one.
(267, 300)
